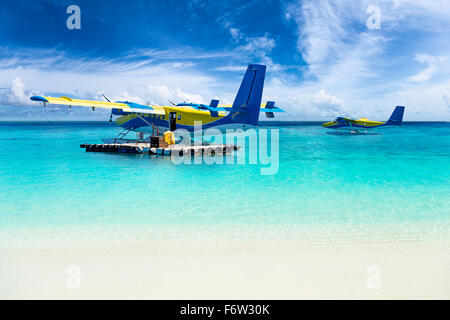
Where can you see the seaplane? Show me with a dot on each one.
(242, 114)
(343, 125)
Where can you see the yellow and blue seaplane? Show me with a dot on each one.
(242, 114)
(360, 125)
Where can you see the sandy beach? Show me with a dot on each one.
(216, 267)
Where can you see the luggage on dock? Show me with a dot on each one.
(154, 142)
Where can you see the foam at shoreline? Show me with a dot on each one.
(269, 235)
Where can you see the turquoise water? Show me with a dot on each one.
(400, 176)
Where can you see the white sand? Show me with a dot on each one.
(216, 267)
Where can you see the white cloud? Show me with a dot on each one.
(184, 53)
(320, 32)
(423, 75)
(146, 94)
(433, 65)
(235, 33)
(17, 94)
(328, 104)
(331, 45)
(231, 68)
(162, 94)
(256, 49)
(52, 73)
(255, 44)
(438, 9)
(79, 77)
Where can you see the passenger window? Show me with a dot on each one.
(179, 117)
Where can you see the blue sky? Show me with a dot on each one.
(322, 58)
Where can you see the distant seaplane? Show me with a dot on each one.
(242, 114)
(355, 125)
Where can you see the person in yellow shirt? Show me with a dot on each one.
(169, 137)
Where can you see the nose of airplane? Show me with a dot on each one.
(328, 124)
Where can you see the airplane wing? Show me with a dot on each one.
(214, 108)
(267, 107)
(348, 120)
(124, 106)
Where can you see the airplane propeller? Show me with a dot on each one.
(110, 117)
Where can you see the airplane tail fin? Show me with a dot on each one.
(247, 104)
(270, 105)
(396, 118)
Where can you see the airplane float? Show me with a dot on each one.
(355, 125)
(242, 114)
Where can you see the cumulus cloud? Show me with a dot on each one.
(306, 103)
(17, 94)
(328, 104)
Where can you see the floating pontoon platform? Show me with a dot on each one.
(142, 147)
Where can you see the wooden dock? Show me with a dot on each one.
(142, 147)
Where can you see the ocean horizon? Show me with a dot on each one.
(261, 123)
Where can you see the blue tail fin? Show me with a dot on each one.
(396, 118)
(270, 105)
(212, 106)
(247, 103)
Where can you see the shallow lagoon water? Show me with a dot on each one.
(401, 176)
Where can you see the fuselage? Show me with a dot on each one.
(179, 117)
(345, 123)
